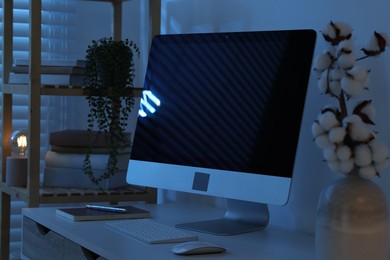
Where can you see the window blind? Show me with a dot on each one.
(56, 21)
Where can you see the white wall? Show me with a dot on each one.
(311, 174)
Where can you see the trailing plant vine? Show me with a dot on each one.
(108, 86)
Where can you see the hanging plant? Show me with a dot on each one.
(108, 86)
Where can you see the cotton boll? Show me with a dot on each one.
(381, 166)
(336, 134)
(360, 133)
(380, 152)
(329, 82)
(372, 45)
(356, 80)
(369, 110)
(335, 88)
(334, 166)
(323, 84)
(377, 43)
(363, 155)
(366, 111)
(352, 88)
(343, 153)
(329, 155)
(358, 73)
(367, 172)
(322, 62)
(346, 166)
(346, 61)
(352, 119)
(332, 108)
(346, 46)
(316, 129)
(323, 142)
(336, 74)
(385, 37)
(343, 28)
(329, 30)
(366, 82)
(331, 50)
(357, 129)
(328, 120)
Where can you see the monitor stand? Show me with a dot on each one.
(240, 217)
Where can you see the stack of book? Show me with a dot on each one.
(64, 161)
(54, 72)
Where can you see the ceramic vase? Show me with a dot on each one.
(352, 221)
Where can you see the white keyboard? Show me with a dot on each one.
(150, 231)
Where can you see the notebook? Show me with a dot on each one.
(83, 213)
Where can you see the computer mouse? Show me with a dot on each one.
(197, 247)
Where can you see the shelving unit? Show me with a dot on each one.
(34, 194)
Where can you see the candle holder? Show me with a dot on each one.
(16, 164)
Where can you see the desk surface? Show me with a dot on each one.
(270, 243)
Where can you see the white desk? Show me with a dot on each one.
(271, 243)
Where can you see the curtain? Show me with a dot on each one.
(56, 41)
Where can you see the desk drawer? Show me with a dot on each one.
(40, 243)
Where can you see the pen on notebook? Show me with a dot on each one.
(105, 208)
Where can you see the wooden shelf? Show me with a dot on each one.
(51, 90)
(15, 192)
(110, 1)
(34, 194)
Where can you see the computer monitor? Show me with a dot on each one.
(221, 115)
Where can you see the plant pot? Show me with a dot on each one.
(112, 73)
(352, 221)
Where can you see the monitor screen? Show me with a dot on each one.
(221, 113)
